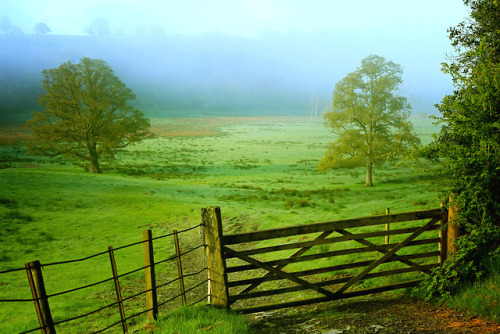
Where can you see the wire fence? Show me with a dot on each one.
(41, 298)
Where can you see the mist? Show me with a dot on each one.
(221, 74)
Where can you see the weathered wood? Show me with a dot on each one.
(279, 291)
(453, 231)
(217, 276)
(350, 251)
(387, 226)
(387, 255)
(318, 241)
(35, 278)
(118, 290)
(296, 254)
(368, 243)
(179, 267)
(149, 275)
(323, 270)
(279, 272)
(345, 295)
(443, 236)
(329, 226)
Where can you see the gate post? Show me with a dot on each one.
(443, 237)
(453, 230)
(218, 294)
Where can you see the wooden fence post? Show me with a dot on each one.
(453, 231)
(179, 267)
(117, 289)
(218, 294)
(35, 278)
(387, 226)
(443, 238)
(150, 277)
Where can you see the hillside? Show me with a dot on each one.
(215, 74)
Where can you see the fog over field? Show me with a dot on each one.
(205, 58)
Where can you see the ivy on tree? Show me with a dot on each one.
(369, 117)
(86, 113)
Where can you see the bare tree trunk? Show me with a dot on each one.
(368, 176)
(94, 161)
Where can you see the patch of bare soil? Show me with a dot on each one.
(376, 314)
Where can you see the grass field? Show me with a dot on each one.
(260, 171)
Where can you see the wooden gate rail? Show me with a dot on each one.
(274, 269)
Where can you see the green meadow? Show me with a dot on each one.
(260, 171)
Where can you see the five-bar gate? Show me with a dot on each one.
(304, 264)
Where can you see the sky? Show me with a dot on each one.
(246, 18)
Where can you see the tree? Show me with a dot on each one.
(86, 114)
(7, 28)
(368, 116)
(465, 154)
(99, 27)
(41, 29)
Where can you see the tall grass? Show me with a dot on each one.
(483, 297)
(202, 319)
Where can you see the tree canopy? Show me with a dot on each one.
(86, 113)
(466, 152)
(41, 29)
(369, 117)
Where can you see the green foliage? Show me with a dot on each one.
(466, 152)
(481, 298)
(368, 116)
(86, 113)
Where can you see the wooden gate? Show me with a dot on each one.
(323, 261)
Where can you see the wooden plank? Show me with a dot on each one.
(328, 269)
(317, 242)
(345, 295)
(234, 298)
(296, 254)
(231, 269)
(368, 243)
(279, 272)
(217, 284)
(387, 255)
(329, 226)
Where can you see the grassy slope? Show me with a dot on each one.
(262, 174)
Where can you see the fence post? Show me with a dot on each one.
(35, 278)
(218, 294)
(179, 267)
(150, 277)
(453, 231)
(443, 237)
(387, 226)
(117, 289)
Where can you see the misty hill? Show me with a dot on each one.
(186, 76)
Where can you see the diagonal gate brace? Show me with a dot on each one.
(279, 267)
(386, 256)
(371, 244)
(278, 272)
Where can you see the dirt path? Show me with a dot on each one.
(376, 314)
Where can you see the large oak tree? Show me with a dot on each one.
(86, 113)
(369, 118)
